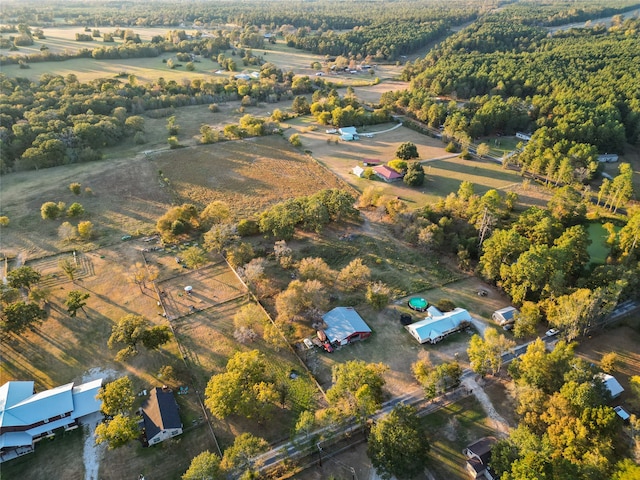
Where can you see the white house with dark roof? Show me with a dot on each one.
(478, 457)
(344, 326)
(161, 416)
(27, 417)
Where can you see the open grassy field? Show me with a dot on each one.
(125, 198)
(249, 175)
(598, 250)
(444, 172)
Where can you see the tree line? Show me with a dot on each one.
(570, 90)
(39, 130)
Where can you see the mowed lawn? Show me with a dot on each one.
(598, 249)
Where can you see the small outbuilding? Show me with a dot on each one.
(344, 325)
(505, 316)
(371, 162)
(161, 416)
(358, 171)
(612, 384)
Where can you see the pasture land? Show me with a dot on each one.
(444, 171)
(62, 39)
(248, 175)
(128, 195)
(146, 70)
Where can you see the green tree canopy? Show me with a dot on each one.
(355, 383)
(415, 175)
(238, 458)
(398, 444)
(118, 431)
(205, 466)
(407, 151)
(76, 301)
(245, 388)
(132, 330)
(17, 317)
(23, 277)
(117, 397)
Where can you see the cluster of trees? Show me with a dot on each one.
(566, 428)
(59, 120)
(245, 388)
(542, 257)
(236, 462)
(328, 108)
(276, 17)
(121, 424)
(454, 224)
(436, 380)
(132, 330)
(383, 40)
(17, 314)
(562, 13)
(566, 84)
(310, 213)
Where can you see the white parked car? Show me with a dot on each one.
(551, 332)
(308, 343)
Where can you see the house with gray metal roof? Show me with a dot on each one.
(344, 326)
(438, 325)
(27, 417)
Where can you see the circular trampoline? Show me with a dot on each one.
(418, 304)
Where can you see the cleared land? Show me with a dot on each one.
(444, 171)
(249, 175)
(623, 340)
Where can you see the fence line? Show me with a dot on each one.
(183, 355)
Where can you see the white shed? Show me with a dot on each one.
(358, 171)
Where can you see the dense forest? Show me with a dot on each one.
(575, 89)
